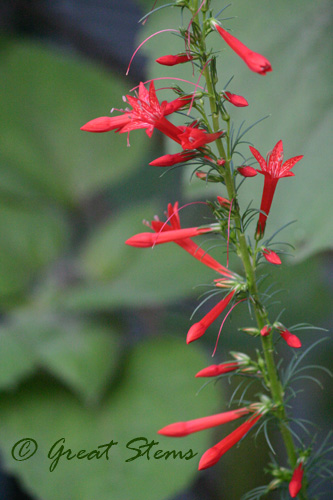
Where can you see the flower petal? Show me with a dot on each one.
(259, 158)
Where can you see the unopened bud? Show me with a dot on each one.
(247, 171)
(250, 331)
(240, 356)
(223, 202)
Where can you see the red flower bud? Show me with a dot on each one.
(236, 100)
(221, 162)
(295, 484)
(265, 331)
(171, 60)
(213, 455)
(223, 202)
(291, 339)
(247, 171)
(256, 62)
(215, 370)
(271, 256)
(198, 329)
(106, 123)
(181, 429)
(172, 159)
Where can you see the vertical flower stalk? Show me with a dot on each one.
(220, 164)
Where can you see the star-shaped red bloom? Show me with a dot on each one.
(273, 169)
(146, 113)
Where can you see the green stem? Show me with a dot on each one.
(275, 386)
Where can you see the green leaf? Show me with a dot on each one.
(47, 163)
(105, 256)
(163, 275)
(83, 355)
(31, 238)
(159, 374)
(42, 144)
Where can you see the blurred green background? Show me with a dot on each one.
(92, 332)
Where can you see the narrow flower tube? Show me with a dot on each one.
(188, 244)
(106, 123)
(291, 339)
(145, 240)
(256, 62)
(236, 100)
(198, 329)
(273, 169)
(172, 60)
(271, 256)
(172, 159)
(176, 104)
(213, 455)
(215, 370)
(295, 484)
(182, 429)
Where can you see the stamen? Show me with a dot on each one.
(174, 213)
(242, 300)
(168, 78)
(153, 7)
(146, 40)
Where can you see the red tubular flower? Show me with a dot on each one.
(236, 100)
(271, 256)
(247, 171)
(181, 429)
(295, 484)
(291, 339)
(193, 138)
(172, 159)
(147, 113)
(256, 62)
(273, 169)
(198, 329)
(215, 370)
(145, 240)
(213, 455)
(187, 244)
(173, 60)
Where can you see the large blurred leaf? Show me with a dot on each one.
(104, 255)
(31, 237)
(41, 120)
(159, 375)
(297, 38)
(81, 354)
(47, 163)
